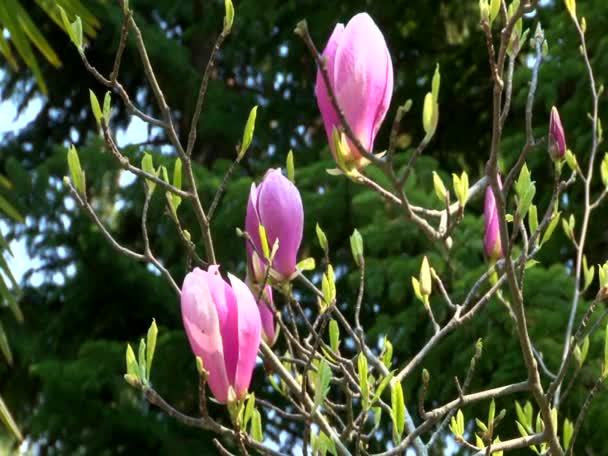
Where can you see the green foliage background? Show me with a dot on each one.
(65, 387)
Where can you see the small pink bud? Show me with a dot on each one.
(223, 326)
(491, 239)
(557, 138)
(265, 305)
(361, 75)
(276, 204)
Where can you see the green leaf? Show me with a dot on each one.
(95, 107)
(76, 170)
(551, 228)
(307, 264)
(150, 347)
(381, 387)
(322, 239)
(387, 353)
(249, 408)
(377, 416)
(334, 335)
(491, 413)
(440, 189)
(585, 349)
(291, 172)
(228, 16)
(398, 411)
(567, 433)
(256, 426)
(356, 247)
(532, 219)
(141, 360)
(147, 165)
(494, 9)
(416, 287)
(481, 425)
(588, 273)
(264, 241)
(248, 132)
(132, 366)
(9, 210)
(4, 346)
(435, 84)
(323, 379)
(426, 284)
(107, 107)
(427, 114)
(8, 421)
(571, 7)
(363, 386)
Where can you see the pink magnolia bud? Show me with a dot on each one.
(557, 138)
(491, 239)
(265, 307)
(361, 76)
(223, 325)
(276, 204)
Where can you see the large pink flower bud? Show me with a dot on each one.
(223, 325)
(276, 204)
(557, 138)
(361, 76)
(491, 238)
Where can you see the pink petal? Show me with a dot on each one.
(202, 327)
(330, 117)
(249, 328)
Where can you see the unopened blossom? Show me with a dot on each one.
(277, 206)
(491, 238)
(557, 138)
(223, 325)
(360, 73)
(265, 304)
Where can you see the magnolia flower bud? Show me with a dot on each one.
(491, 239)
(557, 139)
(223, 325)
(361, 76)
(275, 204)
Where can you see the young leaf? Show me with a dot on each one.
(141, 359)
(567, 433)
(387, 353)
(132, 366)
(551, 228)
(440, 189)
(356, 247)
(75, 170)
(398, 410)
(494, 9)
(532, 219)
(150, 347)
(322, 239)
(248, 132)
(363, 372)
(291, 172)
(322, 382)
(228, 16)
(264, 241)
(107, 100)
(95, 107)
(248, 411)
(307, 264)
(334, 335)
(256, 426)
